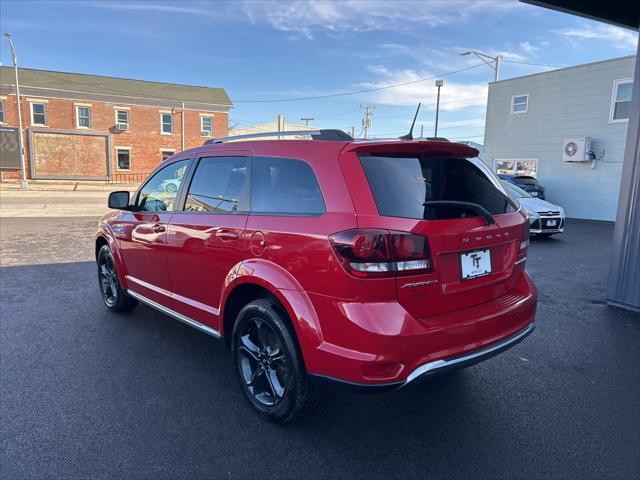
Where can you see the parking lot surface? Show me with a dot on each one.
(87, 393)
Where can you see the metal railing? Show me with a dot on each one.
(128, 177)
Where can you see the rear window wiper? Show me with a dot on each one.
(479, 209)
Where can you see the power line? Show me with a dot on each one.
(356, 92)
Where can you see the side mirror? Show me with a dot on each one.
(119, 200)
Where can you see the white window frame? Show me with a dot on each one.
(78, 106)
(127, 111)
(513, 98)
(172, 151)
(162, 132)
(516, 160)
(4, 112)
(38, 102)
(202, 117)
(128, 149)
(614, 94)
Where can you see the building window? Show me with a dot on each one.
(166, 123)
(1, 111)
(206, 126)
(527, 167)
(122, 119)
(123, 158)
(621, 100)
(38, 114)
(519, 103)
(83, 116)
(164, 154)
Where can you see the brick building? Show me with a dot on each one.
(89, 127)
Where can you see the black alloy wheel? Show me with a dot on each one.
(269, 362)
(262, 362)
(113, 295)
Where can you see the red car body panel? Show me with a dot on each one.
(360, 330)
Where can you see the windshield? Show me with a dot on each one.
(516, 191)
(402, 184)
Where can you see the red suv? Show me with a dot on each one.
(369, 264)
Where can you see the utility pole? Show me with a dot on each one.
(306, 120)
(23, 174)
(353, 132)
(439, 84)
(366, 119)
(421, 131)
(488, 59)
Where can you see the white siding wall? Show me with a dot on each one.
(566, 103)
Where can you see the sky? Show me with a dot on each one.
(269, 55)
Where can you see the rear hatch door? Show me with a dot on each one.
(474, 251)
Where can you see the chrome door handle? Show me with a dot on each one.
(224, 234)
(158, 228)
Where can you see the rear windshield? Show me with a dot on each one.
(402, 184)
(527, 180)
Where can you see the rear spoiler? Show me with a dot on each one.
(412, 146)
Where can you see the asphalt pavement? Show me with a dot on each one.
(85, 393)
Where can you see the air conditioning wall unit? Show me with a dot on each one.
(122, 127)
(577, 149)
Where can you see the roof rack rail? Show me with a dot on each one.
(324, 134)
(437, 139)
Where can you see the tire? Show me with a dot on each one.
(113, 296)
(269, 364)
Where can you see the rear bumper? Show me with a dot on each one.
(381, 347)
(437, 367)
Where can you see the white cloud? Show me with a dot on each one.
(454, 95)
(614, 36)
(307, 16)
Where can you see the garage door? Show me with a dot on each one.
(69, 155)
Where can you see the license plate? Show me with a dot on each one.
(475, 264)
(552, 223)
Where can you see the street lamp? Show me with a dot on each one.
(484, 57)
(23, 174)
(439, 84)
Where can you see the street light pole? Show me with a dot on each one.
(439, 84)
(23, 173)
(488, 60)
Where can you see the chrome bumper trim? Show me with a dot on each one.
(476, 356)
(174, 314)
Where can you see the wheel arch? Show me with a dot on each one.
(263, 279)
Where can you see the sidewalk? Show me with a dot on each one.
(57, 198)
(54, 203)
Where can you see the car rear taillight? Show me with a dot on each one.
(382, 253)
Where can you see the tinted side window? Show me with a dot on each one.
(285, 186)
(160, 191)
(217, 185)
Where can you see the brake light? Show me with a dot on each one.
(382, 253)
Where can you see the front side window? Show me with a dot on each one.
(520, 103)
(166, 123)
(38, 114)
(284, 186)
(160, 191)
(123, 158)
(1, 111)
(83, 117)
(122, 119)
(401, 185)
(206, 126)
(217, 185)
(621, 107)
